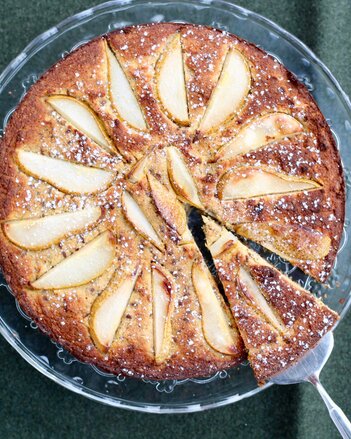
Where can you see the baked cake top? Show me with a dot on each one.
(100, 162)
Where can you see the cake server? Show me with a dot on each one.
(308, 369)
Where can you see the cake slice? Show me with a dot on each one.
(278, 320)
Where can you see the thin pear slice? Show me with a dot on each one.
(181, 179)
(250, 182)
(218, 334)
(137, 218)
(187, 238)
(162, 287)
(168, 205)
(81, 267)
(138, 171)
(217, 237)
(254, 295)
(259, 132)
(171, 83)
(230, 92)
(219, 246)
(82, 118)
(66, 176)
(40, 233)
(122, 95)
(108, 309)
(292, 242)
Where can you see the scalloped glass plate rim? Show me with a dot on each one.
(125, 404)
(5, 77)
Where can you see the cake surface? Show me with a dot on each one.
(100, 164)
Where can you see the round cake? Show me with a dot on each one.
(116, 152)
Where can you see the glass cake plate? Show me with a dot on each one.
(172, 396)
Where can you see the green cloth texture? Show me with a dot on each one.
(34, 407)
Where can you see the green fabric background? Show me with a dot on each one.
(32, 406)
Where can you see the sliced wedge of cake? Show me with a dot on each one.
(278, 320)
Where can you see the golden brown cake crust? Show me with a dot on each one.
(83, 74)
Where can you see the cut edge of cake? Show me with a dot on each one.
(278, 319)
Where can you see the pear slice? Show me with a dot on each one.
(66, 176)
(230, 92)
(171, 83)
(218, 334)
(108, 309)
(122, 95)
(162, 288)
(137, 218)
(218, 239)
(168, 205)
(293, 242)
(187, 238)
(81, 267)
(181, 179)
(40, 233)
(254, 295)
(221, 244)
(137, 173)
(259, 132)
(82, 118)
(250, 182)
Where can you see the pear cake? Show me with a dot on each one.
(106, 158)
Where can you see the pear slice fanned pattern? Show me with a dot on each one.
(108, 163)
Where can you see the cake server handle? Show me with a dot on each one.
(338, 416)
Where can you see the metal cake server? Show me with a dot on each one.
(308, 369)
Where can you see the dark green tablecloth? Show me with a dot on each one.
(32, 406)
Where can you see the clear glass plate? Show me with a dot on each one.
(225, 387)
